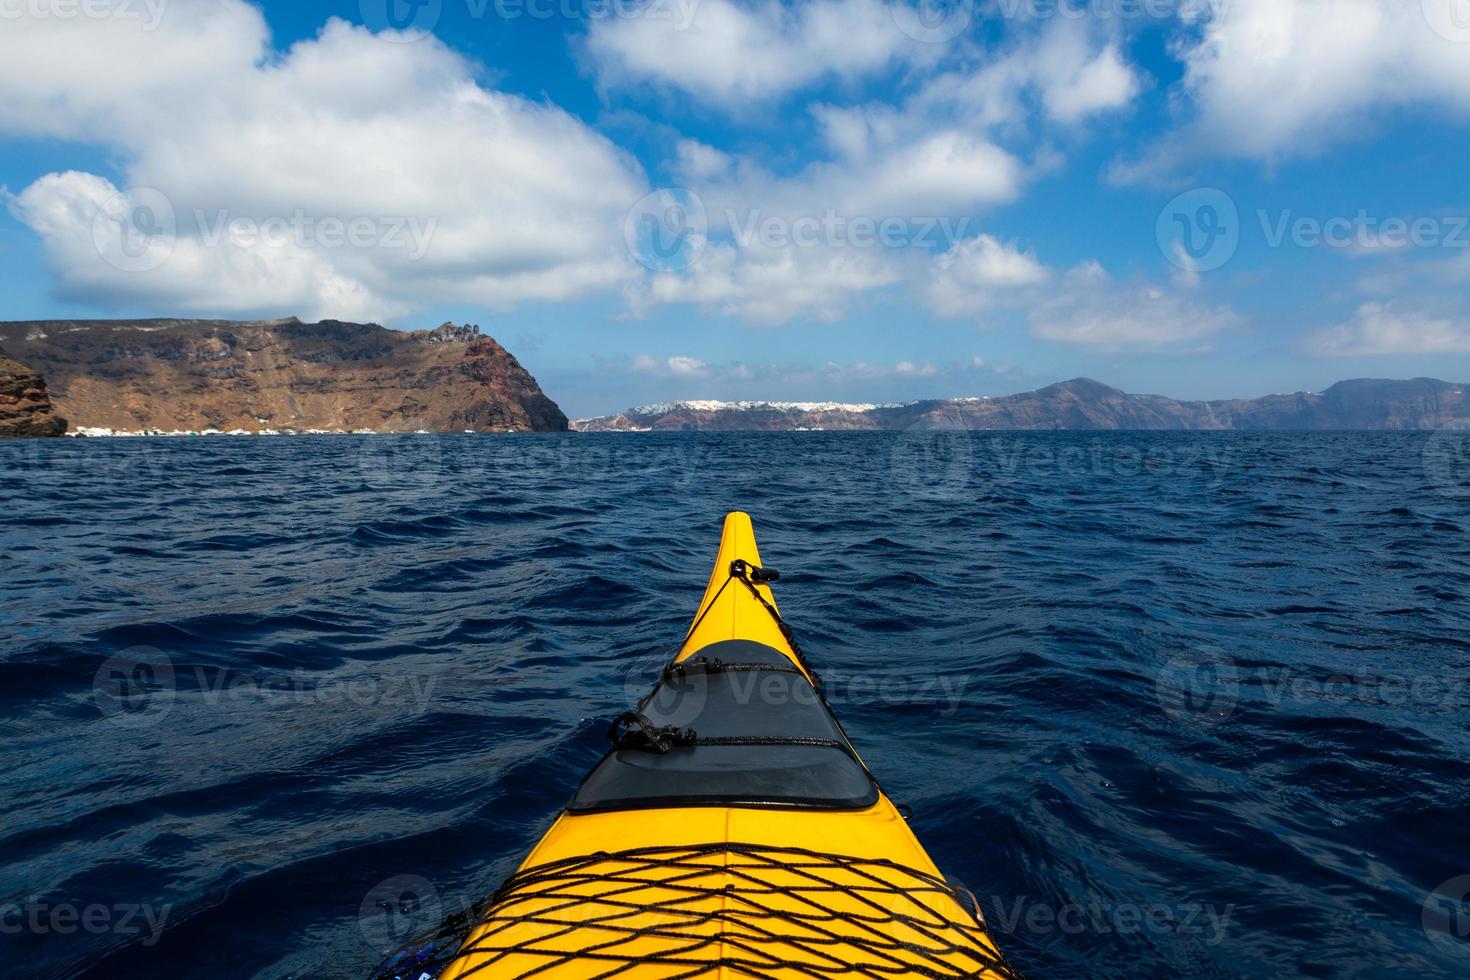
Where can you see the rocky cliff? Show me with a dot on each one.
(1422, 403)
(279, 376)
(25, 407)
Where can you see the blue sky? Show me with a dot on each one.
(846, 199)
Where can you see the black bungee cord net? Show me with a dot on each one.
(753, 910)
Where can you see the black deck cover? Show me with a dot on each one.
(733, 703)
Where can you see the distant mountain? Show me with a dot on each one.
(1082, 403)
(26, 411)
(278, 376)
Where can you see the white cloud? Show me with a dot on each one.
(697, 161)
(976, 274)
(946, 171)
(930, 165)
(1186, 267)
(1378, 329)
(85, 77)
(770, 285)
(197, 277)
(731, 53)
(907, 175)
(525, 200)
(1066, 66)
(1091, 309)
(828, 249)
(835, 373)
(676, 366)
(1082, 306)
(1398, 273)
(687, 367)
(1076, 81)
(1270, 79)
(684, 368)
(908, 369)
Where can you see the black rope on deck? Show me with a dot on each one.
(748, 930)
(742, 571)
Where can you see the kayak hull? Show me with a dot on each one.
(719, 890)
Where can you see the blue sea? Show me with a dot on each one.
(1172, 704)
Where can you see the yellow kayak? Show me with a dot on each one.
(731, 831)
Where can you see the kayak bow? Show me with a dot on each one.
(731, 831)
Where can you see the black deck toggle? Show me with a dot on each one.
(739, 567)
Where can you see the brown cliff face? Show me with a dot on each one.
(280, 376)
(26, 411)
(1422, 403)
